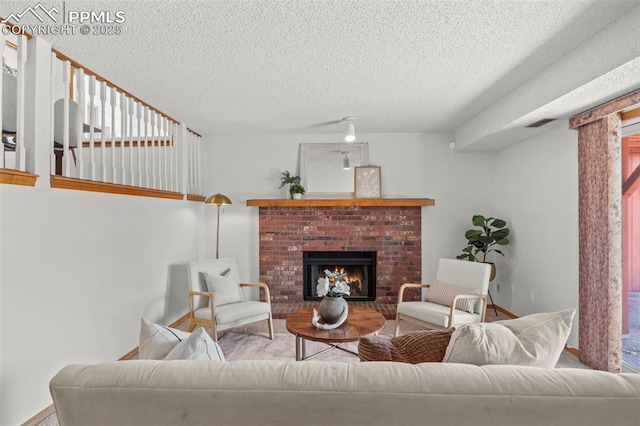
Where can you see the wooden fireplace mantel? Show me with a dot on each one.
(342, 202)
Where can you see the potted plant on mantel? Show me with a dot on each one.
(296, 190)
(492, 232)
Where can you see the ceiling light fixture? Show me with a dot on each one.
(350, 134)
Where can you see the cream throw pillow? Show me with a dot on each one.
(197, 346)
(156, 340)
(443, 294)
(225, 289)
(536, 340)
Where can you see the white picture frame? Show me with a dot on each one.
(322, 168)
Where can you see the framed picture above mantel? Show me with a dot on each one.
(368, 182)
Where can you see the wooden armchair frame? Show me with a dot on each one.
(451, 310)
(211, 323)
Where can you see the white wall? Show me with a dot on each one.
(536, 191)
(78, 270)
(413, 165)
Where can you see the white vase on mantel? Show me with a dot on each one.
(297, 196)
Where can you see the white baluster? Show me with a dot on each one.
(187, 151)
(21, 153)
(80, 92)
(92, 125)
(158, 165)
(187, 143)
(54, 82)
(66, 154)
(112, 100)
(170, 184)
(193, 163)
(198, 175)
(2, 46)
(123, 122)
(146, 147)
(154, 117)
(103, 139)
(132, 110)
(174, 160)
(140, 147)
(162, 158)
(157, 183)
(165, 151)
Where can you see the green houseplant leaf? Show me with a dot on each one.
(492, 232)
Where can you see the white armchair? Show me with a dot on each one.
(458, 295)
(219, 301)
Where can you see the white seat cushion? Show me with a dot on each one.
(235, 311)
(435, 314)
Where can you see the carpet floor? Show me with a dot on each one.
(252, 342)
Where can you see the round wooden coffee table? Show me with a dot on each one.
(360, 322)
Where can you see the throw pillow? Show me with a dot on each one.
(536, 340)
(414, 348)
(443, 294)
(197, 346)
(156, 340)
(225, 289)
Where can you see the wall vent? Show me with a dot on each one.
(542, 122)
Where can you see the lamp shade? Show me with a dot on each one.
(218, 199)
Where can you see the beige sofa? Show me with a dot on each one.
(321, 393)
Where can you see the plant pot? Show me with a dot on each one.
(331, 309)
(296, 196)
(493, 270)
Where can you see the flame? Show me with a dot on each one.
(355, 278)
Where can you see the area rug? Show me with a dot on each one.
(241, 346)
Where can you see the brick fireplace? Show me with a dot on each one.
(289, 228)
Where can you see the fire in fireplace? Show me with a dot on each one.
(360, 267)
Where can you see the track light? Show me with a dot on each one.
(345, 162)
(350, 134)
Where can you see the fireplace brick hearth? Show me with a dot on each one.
(394, 232)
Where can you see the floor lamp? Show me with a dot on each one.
(219, 200)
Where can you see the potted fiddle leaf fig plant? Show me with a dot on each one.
(480, 242)
(296, 190)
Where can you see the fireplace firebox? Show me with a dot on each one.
(360, 267)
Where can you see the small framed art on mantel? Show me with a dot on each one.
(367, 182)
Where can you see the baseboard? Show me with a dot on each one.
(33, 421)
(572, 350)
(504, 311)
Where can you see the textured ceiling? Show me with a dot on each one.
(258, 67)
